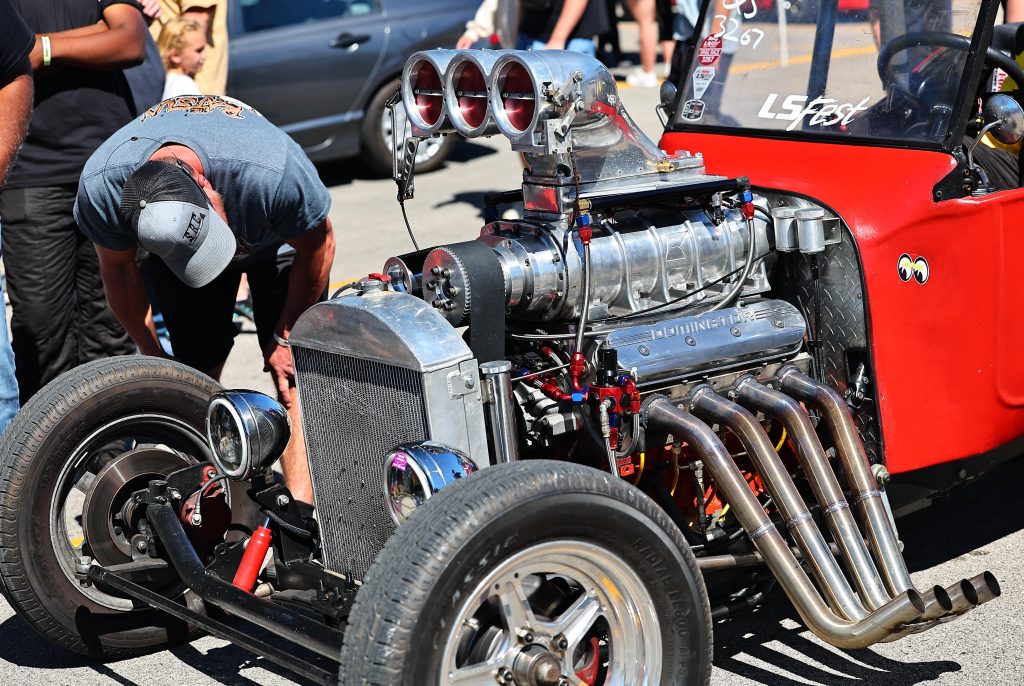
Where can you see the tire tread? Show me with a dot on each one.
(21, 443)
(384, 615)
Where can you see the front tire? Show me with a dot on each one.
(529, 572)
(68, 464)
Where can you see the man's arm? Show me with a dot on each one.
(122, 45)
(127, 297)
(572, 12)
(16, 104)
(311, 268)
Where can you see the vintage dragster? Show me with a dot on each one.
(553, 454)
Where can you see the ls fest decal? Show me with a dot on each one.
(909, 268)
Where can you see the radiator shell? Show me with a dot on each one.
(374, 371)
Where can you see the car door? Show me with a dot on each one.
(304, 63)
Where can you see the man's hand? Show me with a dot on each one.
(151, 10)
(278, 361)
(465, 41)
(555, 45)
(127, 298)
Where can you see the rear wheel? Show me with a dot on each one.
(533, 573)
(376, 136)
(70, 461)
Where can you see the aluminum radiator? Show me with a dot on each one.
(374, 371)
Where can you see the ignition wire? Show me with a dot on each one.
(782, 440)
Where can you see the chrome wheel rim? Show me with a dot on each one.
(86, 462)
(428, 148)
(507, 627)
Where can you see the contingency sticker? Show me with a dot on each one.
(709, 50)
(702, 78)
(693, 109)
(909, 268)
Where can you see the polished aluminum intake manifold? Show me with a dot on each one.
(882, 603)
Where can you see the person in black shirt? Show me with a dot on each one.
(16, 42)
(60, 316)
(561, 25)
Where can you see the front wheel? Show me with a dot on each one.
(532, 573)
(69, 463)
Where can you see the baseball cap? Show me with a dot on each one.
(171, 217)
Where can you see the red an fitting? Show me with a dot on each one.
(551, 390)
(577, 367)
(252, 559)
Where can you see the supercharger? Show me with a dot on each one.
(665, 233)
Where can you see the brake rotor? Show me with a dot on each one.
(104, 515)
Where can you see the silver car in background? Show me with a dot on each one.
(323, 70)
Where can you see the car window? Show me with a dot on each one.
(886, 70)
(260, 15)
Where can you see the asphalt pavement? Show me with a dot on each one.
(977, 527)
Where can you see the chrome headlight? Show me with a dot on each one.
(414, 472)
(247, 431)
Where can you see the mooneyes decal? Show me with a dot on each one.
(909, 268)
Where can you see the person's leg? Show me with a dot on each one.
(198, 319)
(608, 42)
(666, 20)
(99, 333)
(8, 382)
(268, 284)
(39, 252)
(643, 12)
(713, 95)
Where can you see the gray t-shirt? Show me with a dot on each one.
(271, 190)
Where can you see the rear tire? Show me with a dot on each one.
(377, 151)
(55, 447)
(564, 538)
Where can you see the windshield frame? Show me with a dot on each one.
(968, 88)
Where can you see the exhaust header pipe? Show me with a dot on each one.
(882, 603)
(660, 414)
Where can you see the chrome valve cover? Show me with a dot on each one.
(681, 347)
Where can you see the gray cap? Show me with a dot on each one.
(171, 217)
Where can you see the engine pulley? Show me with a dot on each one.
(446, 284)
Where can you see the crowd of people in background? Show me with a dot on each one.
(586, 26)
(98, 64)
(95, 66)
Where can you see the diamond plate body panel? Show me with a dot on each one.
(843, 324)
(354, 412)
